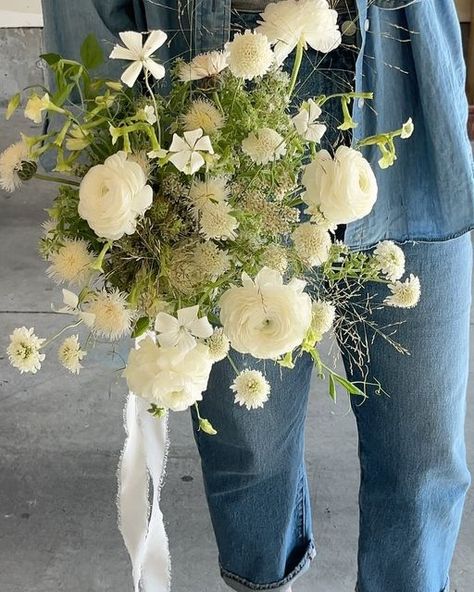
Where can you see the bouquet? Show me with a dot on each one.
(199, 219)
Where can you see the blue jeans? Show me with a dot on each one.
(411, 448)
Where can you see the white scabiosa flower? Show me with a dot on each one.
(249, 55)
(265, 317)
(11, 163)
(186, 152)
(216, 222)
(24, 350)
(211, 261)
(251, 389)
(71, 263)
(390, 259)
(324, 314)
(344, 189)
(183, 330)
(312, 243)
(205, 193)
(35, 106)
(307, 124)
(113, 195)
(404, 294)
(274, 257)
(202, 114)
(70, 354)
(300, 22)
(204, 65)
(168, 377)
(140, 54)
(112, 315)
(264, 145)
(218, 344)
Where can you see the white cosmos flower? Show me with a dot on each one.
(306, 122)
(264, 145)
(186, 152)
(312, 243)
(307, 22)
(324, 314)
(265, 317)
(140, 54)
(343, 189)
(390, 259)
(251, 389)
(404, 294)
(11, 163)
(71, 306)
(113, 195)
(71, 262)
(249, 55)
(203, 65)
(24, 350)
(168, 377)
(70, 354)
(183, 330)
(35, 106)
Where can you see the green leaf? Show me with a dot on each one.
(13, 104)
(332, 387)
(91, 52)
(157, 411)
(350, 387)
(60, 97)
(51, 58)
(141, 326)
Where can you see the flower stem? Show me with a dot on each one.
(61, 180)
(49, 341)
(296, 67)
(234, 366)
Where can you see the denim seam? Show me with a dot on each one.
(301, 516)
(307, 557)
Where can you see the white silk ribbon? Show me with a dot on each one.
(143, 459)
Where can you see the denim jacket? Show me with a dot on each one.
(410, 56)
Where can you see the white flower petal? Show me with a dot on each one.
(166, 323)
(122, 53)
(134, 41)
(156, 69)
(188, 315)
(154, 41)
(130, 75)
(201, 328)
(178, 144)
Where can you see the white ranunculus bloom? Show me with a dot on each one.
(113, 195)
(265, 317)
(308, 22)
(344, 189)
(139, 54)
(186, 152)
(168, 377)
(306, 122)
(203, 65)
(183, 330)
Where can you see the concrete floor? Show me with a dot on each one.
(60, 439)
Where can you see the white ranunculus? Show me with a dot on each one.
(344, 189)
(168, 377)
(113, 195)
(265, 317)
(307, 22)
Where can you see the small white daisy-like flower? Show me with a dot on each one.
(203, 114)
(390, 259)
(264, 145)
(251, 389)
(35, 106)
(71, 263)
(404, 294)
(218, 345)
(11, 162)
(183, 330)
(274, 257)
(70, 354)
(249, 55)
(203, 65)
(407, 129)
(186, 152)
(203, 193)
(211, 261)
(312, 243)
(217, 223)
(112, 315)
(306, 122)
(24, 350)
(324, 314)
(139, 54)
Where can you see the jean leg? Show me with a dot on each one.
(255, 478)
(411, 443)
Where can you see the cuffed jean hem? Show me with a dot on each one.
(242, 585)
(445, 589)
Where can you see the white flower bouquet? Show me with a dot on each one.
(199, 218)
